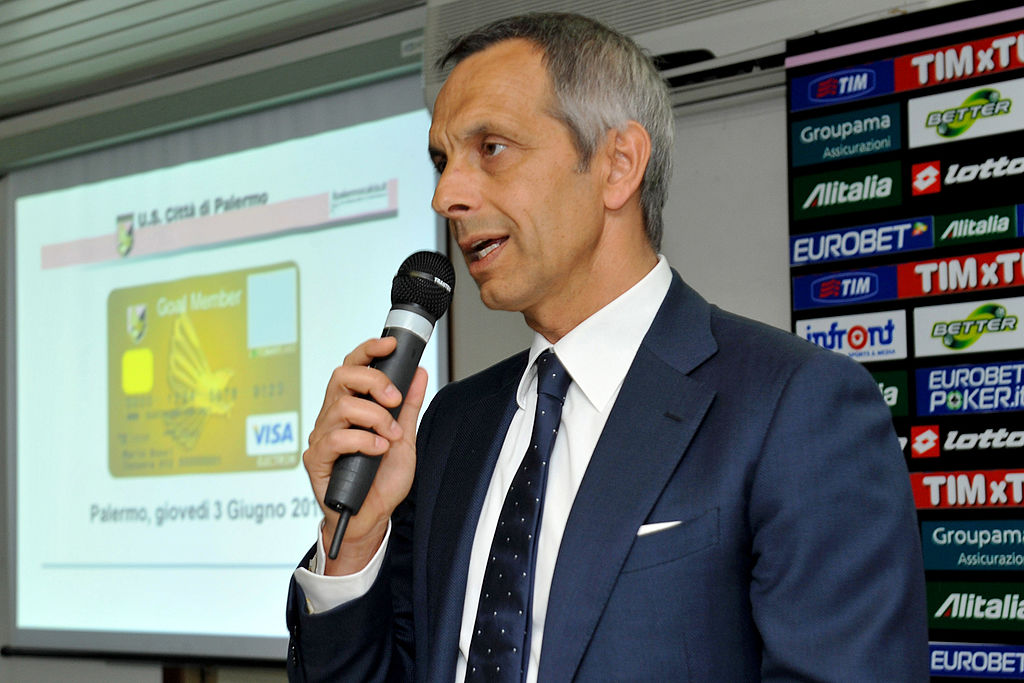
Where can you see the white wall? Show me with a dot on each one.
(726, 217)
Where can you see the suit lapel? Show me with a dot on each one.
(463, 486)
(657, 413)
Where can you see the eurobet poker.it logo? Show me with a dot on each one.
(926, 178)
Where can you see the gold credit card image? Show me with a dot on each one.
(203, 373)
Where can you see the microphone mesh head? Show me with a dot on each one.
(426, 279)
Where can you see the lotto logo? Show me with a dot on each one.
(926, 177)
(925, 441)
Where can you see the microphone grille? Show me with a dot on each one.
(426, 279)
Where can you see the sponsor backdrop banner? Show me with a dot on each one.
(906, 252)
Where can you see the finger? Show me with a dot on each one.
(362, 355)
(355, 411)
(319, 458)
(349, 381)
(370, 349)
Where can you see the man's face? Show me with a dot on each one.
(529, 224)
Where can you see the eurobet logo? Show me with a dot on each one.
(864, 337)
(855, 189)
(970, 660)
(962, 605)
(924, 441)
(272, 433)
(971, 489)
(925, 178)
(865, 240)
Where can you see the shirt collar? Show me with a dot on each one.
(599, 351)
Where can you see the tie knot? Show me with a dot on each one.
(552, 378)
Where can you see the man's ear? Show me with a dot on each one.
(628, 150)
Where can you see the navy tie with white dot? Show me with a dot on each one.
(500, 644)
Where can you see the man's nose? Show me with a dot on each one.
(456, 193)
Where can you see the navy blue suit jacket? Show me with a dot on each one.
(797, 557)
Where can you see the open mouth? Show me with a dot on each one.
(481, 249)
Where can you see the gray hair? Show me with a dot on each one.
(602, 80)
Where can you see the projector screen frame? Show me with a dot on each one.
(165, 648)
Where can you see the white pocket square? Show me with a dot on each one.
(656, 527)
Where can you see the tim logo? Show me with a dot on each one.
(926, 178)
(271, 433)
(924, 441)
(844, 288)
(841, 85)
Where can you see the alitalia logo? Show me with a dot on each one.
(984, 103)
(966, 228)
(839, 192)
(977, 607)
(853, 190)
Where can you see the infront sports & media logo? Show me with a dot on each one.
(864, 337)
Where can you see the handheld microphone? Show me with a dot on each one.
(421, 292)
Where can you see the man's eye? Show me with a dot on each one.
(491, 149)
(439, 164)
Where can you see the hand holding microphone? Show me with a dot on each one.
(421, 293)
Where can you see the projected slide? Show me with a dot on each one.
(176, 330)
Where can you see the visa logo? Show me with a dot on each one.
(271, 433)
(841, 85)
(846, 287)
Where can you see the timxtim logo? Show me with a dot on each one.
(924, 441)
(926, 178)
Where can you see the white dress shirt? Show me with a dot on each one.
(597, 353)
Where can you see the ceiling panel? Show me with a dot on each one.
(54, 51)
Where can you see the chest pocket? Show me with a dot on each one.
(673, 543)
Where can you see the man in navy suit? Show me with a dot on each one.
(724, 501)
